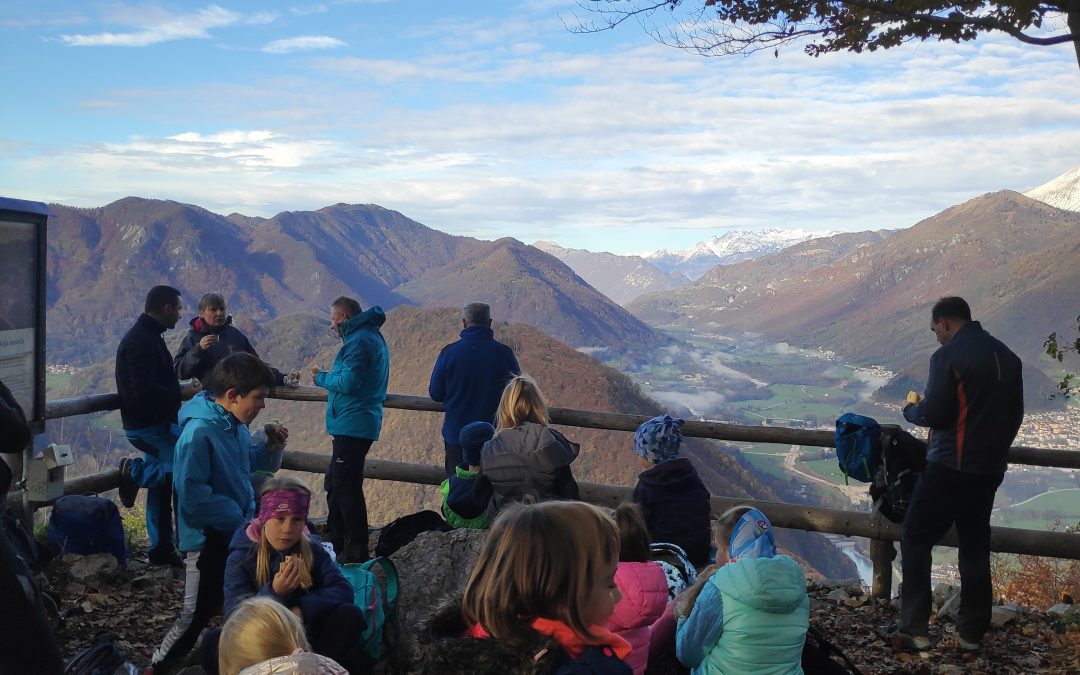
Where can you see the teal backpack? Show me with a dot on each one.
(378, 604)
(858, 446)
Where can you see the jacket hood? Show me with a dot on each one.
(669, 473)
(373, 318)
(775, 585)
(644, 595)
(534, 439)
(200, 326)
(202, 407)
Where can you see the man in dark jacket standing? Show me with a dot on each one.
(973, 405)
(469, 377)
(356, 388)
(149, 399)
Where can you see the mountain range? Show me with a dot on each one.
(731, 247)
(102, 260)
(620, 277)
(868, 295)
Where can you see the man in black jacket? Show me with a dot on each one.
(149, 399)
(973, 405)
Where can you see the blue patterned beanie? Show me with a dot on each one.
(658, 439)
(752, 537)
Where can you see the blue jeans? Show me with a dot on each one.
(154, 472)
(944, 496)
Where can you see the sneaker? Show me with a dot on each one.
(953, 633)
(129, 489)
(903, 642)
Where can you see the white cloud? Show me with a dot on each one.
(303, 43)
(308, 10)
(163, 28)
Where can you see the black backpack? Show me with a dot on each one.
(104, 657)
(821, 657)
(903, 458)
(406, 528)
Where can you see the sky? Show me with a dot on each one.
(492, 119)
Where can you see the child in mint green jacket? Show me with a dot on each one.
(749, 613)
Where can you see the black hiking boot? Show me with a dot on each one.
(129, 489)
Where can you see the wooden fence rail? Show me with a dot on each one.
(880, 531)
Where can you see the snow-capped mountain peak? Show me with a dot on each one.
(732, 246)
(1062, 192)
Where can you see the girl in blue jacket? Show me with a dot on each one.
(274, 557)
(748, 614)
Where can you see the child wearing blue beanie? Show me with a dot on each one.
(466, 494)
(749, 612)
(672, 497)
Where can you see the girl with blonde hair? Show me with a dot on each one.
(537, 599)
(263, 638)
(274, 556)
(527, 460)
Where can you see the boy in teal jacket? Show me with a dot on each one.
(356, 389)
(212, 483)
(747, 615)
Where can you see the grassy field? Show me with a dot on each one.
(793, 401)
(1041, 512)
(825, 468)
(55, 381)
(767, 463)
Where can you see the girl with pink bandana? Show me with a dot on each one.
(276, 557)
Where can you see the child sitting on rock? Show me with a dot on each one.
(537, 599)
(465, 497)
(643, 586)
(749, 613)
(527, 459)
(672, 497)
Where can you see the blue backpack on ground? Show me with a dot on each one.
(378, 604)
(84, 525)
(858, 446)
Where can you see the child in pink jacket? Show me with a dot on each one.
(643, 585)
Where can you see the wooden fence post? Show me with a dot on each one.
(882, 554)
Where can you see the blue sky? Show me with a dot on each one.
(491, 119)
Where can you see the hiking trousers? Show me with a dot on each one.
(204, 592)
(154, 472)
(944, 496)
(346, 518)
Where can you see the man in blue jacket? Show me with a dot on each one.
(973, 405)
(149, 399)
(356, 389)
(469, 377)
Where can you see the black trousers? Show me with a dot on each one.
(944, 496)
(346, 520)
(453, 458)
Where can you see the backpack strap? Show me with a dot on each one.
(390, 574)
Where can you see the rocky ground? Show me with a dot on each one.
(138, 604)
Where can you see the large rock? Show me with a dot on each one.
(434, 567)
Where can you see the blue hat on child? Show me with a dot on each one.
(658, 439)
(472, 438)
(752, 537)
